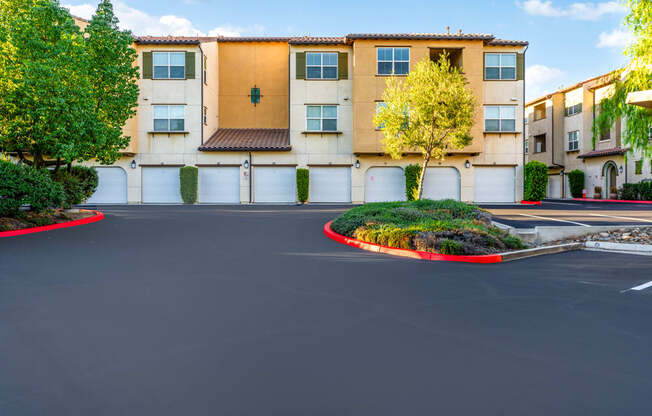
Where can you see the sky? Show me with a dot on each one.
(570, 41)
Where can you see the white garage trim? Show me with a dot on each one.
(275, 184)
(330, 184)
(442, 183)
(385, 183)
(494, 183)
(111, 186)
(219, 185)
(160, 185)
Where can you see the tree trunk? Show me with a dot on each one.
(423, 174)
(56, 167)
(69, 167)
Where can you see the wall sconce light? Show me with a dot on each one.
(357, 164)
(246, 164)
(133, 164)
(620, 169)
(467, 164)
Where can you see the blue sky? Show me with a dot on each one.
(569, 40)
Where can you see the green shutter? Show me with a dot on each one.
(190, 65)
(520, 66)
(343, 65)
(148, 69)
(301, 65)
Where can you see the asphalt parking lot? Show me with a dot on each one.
(251, 310)
(572, 213)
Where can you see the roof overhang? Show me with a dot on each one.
(640, 98)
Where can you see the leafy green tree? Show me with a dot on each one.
(64, 94)
(637, 76)
(430, 110)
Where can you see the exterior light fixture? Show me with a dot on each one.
(246, 164)
(357, 164)
(467, 164)
(133, 164)
(620, 169)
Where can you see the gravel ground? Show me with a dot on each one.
(639, 235)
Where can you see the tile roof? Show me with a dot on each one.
(596, 82)
(427, 36)
(505, 42)
(168, 40)
(253, 39)
(248, 140)
(604, 152)
(318, 40)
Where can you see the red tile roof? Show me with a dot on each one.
(168, 40)
(253, 39)
(417, 36)
(248, 140)
(604, 152)
(318, 40)
(505, 42)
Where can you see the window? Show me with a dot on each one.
(380, 105)
(169, 118)
(527, 146)
(500, 118)
(169, 65)
(605, 135)
(393, 61)
(500, 66)
(321, 118)
(540, 143)
(638, 167)
(573, 109)
(321, 65)
(574, 140)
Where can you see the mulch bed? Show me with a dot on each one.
(28, 219)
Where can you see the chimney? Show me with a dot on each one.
(459, 32)
(448, 30)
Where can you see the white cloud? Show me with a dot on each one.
(141, 23)
(540, 80)
(577, 11)
(617, 38)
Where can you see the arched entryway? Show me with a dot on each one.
(609, 174)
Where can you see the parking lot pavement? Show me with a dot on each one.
(571, 213)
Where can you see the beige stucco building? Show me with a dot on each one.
(559, 133)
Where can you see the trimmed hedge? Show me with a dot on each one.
(536, 181)
(576, 181)
(78, 184)
(188, 184)
(412, 175)
(24, 185)
(303, 184)
(641, 191)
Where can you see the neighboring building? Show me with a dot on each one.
(559, 133)
(249, 111)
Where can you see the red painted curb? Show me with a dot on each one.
(414, 254)
(97, 217)
(524, 202)
(626, 201)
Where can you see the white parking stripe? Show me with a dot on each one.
(554, 219)
(621, 218)
(643, 286)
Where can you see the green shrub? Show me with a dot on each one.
(451, 247)
(629, 192)
(645, 190)
(78, 184)
(303, 184)
(188, 184)
(576, 181)
(512, 242)
(24, 185)
(536, 180)
(412, 176)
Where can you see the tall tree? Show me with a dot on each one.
(637, 76)
(430, 110)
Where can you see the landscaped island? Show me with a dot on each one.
(446, 227)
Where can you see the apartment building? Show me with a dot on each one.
(249, 111)
(559, 133)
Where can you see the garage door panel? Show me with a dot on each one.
(384, 184)
(330, 184)
(494, 184)
(219, 185)
(111, 186)
(275, 184)
(161, 185)
(441, 183)
(554, 187)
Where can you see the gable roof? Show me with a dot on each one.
(248, 140)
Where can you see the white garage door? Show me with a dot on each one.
(554, 186)
(111, 186)
(275, 184)
(330, 184)
(219, 185)
(161, 185)
(441, 183)
(384, 184)
(494, 184)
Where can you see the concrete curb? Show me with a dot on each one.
(540, 251)
(621, 201)
(620, 247)
(97, 217)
